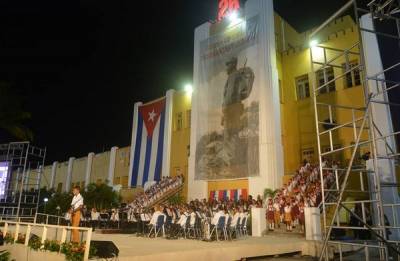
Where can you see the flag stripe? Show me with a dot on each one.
(157, 172)
(142, 157)
(135, 164)
(147, 160)
(153, 157)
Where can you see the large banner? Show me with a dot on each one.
(149, 146)
(227, 134)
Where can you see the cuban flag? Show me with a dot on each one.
(148, 144)
(232, 194)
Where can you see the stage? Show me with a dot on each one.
(139, 248)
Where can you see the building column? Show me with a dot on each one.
(111, 168)
(69, 174)
(89, 168)
(196, 188)
(271, 149)
(384, 125)
(168, 133)
(53, 174)
(17, 180)
(39, 172)
(133, 140)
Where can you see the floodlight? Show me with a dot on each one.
(314, 43)
(189, 89)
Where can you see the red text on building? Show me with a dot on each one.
(227, 6)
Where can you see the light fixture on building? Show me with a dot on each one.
(233, 16)
(45, 200)
(314, 43)
(189, 89)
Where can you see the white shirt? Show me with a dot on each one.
(95, 215)
(192, 218)
(235, 219)
(114, 216)
(154, 218)
(182, 220)
(216, 217)
(77, 201)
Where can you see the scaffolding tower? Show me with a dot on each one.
(21, 197)
(364, 188)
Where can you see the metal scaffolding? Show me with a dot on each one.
(364, 187)
(25, 164)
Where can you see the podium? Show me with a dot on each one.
(313, 223)
(258, 221)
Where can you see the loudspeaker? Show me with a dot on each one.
(105, 249)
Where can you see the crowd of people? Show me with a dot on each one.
(111, 218)
(285, 207)
(301, 191)
(155, 192)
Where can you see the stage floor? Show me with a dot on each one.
(139, 248)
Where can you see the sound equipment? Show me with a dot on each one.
(105, 249)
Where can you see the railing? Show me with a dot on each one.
(16, 218)
(45, 235)
(13, 211)
(42, 218)
(166, 196)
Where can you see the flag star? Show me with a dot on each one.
(152, 115)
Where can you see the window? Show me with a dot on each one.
(352, 78)
(308, 154)
(188, 118)
(59, 187)
(302, 87)
(178, 121)
(324, 78)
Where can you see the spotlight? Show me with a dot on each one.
(189, 89)
(45, 199)
(314, 43)
(233, 16)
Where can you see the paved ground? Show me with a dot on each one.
(138, 248)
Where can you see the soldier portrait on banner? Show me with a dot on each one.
(227, 142)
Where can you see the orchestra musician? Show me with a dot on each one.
(75, 211)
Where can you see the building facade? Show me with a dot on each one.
(296, 108)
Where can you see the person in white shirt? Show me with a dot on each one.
(192, 217)
(94, 216)
(236, 218)
(114, 218)
(76, 206)
(67, 218)
(156, 214)
(217, 215)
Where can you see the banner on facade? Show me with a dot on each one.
(228, 86)
(149, 146)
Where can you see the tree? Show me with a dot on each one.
(269, 193)
(62, 200)
(100, 196)
(12, 114)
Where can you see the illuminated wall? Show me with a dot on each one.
(298, 125)
(180, 140)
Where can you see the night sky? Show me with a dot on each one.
(80, 67)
